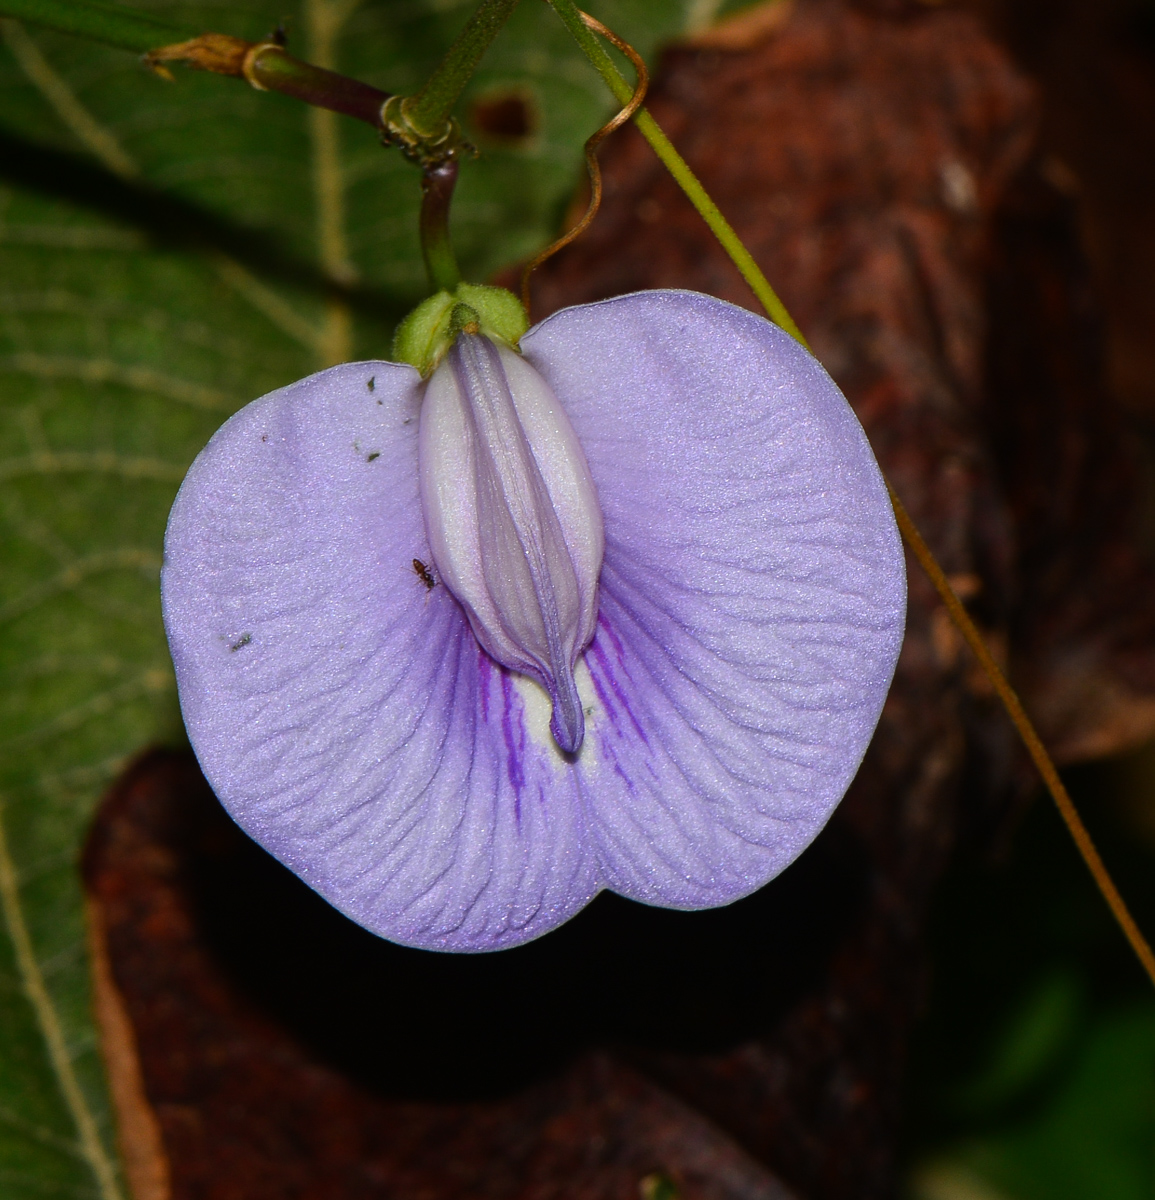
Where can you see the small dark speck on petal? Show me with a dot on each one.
(371, 457)
(242, 641)
(372, 383)
(407, 421)
(380, 401)
(264, 437)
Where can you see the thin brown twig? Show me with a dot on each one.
(1031, 740)
(591, 147)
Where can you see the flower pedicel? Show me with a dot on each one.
(464, 766)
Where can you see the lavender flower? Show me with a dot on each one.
(463, 766)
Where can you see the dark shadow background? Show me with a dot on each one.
(450, 1027)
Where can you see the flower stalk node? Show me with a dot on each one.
(249, 62)
(424, 149)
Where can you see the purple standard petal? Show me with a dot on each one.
(750, 614)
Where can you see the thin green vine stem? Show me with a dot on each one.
(429, 110)
(744, 261)
(593, 49)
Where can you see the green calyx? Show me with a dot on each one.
(424, 337)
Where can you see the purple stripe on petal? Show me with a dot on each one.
(514, 743)
(485, 672)
(606, 678)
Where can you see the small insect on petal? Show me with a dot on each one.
(423, 574)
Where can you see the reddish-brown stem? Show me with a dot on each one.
(437, 183)
(276, 71)
(269, 68)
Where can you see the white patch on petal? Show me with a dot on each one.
(537, 710)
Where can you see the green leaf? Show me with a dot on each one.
(1092, 1139)
(168, 252)
(1036, 1037)
(108, 23)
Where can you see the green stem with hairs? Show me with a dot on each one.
(428, 111)
(593, 49)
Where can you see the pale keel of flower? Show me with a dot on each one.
(512, 517)
(749, 613)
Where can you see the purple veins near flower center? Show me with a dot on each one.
(514, 527)
(673, 599)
